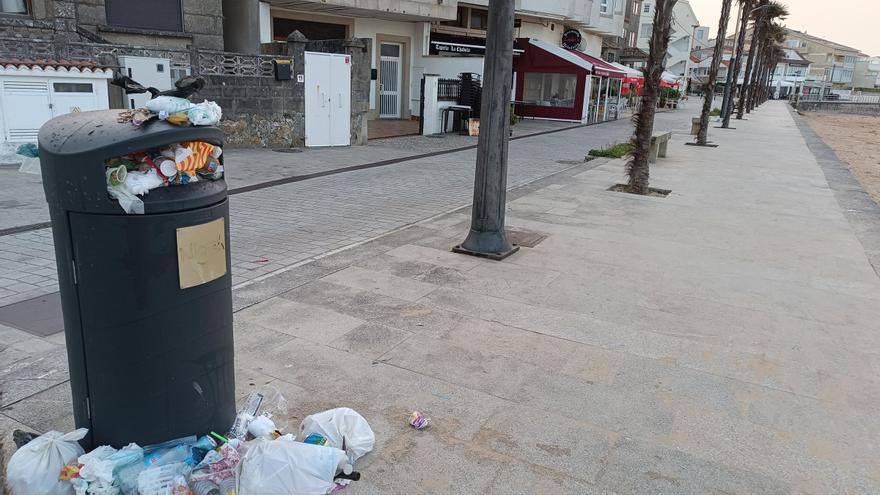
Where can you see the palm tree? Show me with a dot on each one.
(753, 55)
(733, 70)
(773, 54)
(765, 35)
(637, 167)
(709, 88)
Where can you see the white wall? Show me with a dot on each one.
(265, 23)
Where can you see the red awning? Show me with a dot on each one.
(600, 67)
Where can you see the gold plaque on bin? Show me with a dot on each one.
(201, 253)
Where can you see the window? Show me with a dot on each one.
(646, 30)
(155, 15)
(72, 87)
(647, 8)
(13, 7)
(550, 90)
(603, 6)
(631, 39)
(310, 29)
(390, 50)
(460, 19)
(794, 43)
(849, 60)
(479, 19)
(635, 7)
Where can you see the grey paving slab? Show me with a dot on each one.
(720, 340)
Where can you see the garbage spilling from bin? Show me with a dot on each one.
(255, 457)
(179, 164)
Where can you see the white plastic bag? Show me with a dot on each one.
(34, 468)
(205, 113)
(339, 423)
(168, 104)
(273, 467)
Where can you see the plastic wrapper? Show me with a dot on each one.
(283, 466)
(265, 401)
(35, 467)
(168, 105)
(205, 113)
(169, 479)
(338, 424)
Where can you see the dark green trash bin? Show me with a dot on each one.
(149, 361)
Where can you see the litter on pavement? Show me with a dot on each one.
(256, 457)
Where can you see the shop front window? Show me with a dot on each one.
(479, 19)
(550, 90)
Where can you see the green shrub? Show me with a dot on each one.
(716, 112)
(618, 150)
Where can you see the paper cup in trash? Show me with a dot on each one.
(117, 175)
(168, 168)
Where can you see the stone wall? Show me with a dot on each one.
(202, 25)
(260, 111)
(848, 107)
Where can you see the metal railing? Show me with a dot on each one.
(448, 89)
(843, 97)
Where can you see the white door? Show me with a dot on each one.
(73, 95)
(26, 107)
(340, 100)
(317, 93)
(327, 99)
(389, 80)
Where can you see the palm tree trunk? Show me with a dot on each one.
(756, 69)
(637, 168)
(761, 83)
(751, 61)
(733, 70)
(709, 88)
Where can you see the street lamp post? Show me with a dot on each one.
(486, 237)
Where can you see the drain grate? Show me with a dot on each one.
(40, 316)
(524, 238)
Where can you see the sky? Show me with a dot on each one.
(849, 22)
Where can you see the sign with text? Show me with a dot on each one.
(447, 44)
(571, 39)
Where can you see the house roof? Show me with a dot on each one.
(822, 41)
(50, 65)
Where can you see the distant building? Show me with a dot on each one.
(867, 73)
(832, 65)
(685, 34)
(623, 48)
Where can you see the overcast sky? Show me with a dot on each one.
(854, 23)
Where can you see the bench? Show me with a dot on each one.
(659, 140)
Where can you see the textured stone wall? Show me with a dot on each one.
(263, 112)
(202, 25)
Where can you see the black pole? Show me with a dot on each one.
(486, 237)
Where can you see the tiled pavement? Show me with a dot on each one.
(280, 226)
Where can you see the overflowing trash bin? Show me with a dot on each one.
(141, 228)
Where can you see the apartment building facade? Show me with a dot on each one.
(411, 38)
(832, 65)
(623, 47)
(866, 74)
(685, 28)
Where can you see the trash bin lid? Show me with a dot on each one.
(75, 147)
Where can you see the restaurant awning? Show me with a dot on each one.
(562, 53)
(600, 67)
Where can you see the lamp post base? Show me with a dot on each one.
(491, 245)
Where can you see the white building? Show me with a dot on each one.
(446, 37)
(686, 34)
(867, 73)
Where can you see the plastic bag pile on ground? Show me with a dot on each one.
(256, 457)
(178, 164)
